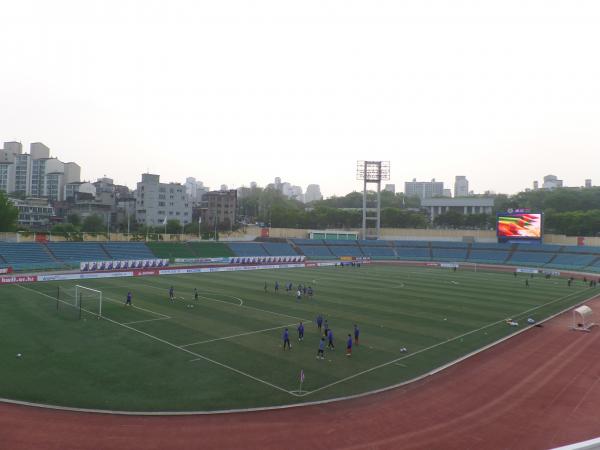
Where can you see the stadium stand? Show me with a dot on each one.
(28, 256)
(316, 251)
(530, 258)
(417, 253)
(452, 244)
(491, 246)
(488, 256)
(279, 249)
(583, 249)
(128, 250)
(75, 252)
(379, 252)
(411, 243)
(373, 243)
(54, 255)
(247, 249)
(307, 241)
(595, 266)
(344, 242)
(449, 254)
(538, 248)
(346, 250)
(571, 260)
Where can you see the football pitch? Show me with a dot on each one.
(224, 350)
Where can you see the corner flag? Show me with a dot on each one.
(302, 376)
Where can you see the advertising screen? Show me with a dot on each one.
(519, 226)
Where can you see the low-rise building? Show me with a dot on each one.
(220, 208)
(156, 201)
(33, 212)
(463, 205)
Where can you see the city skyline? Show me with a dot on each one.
(550, 183)
(242, 92)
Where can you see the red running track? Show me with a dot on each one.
(538, 390)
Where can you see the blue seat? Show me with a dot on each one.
(128, 250)
(319, 251)
(279, 249)
(417, 253)
(76, 252)
(247, 249)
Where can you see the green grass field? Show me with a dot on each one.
(226, 351)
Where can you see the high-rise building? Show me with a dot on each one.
(156, 201)
(313, 193)
(424, 189)
(461, 186)
(536, 185)
(552, 182)
(390, 188)
(35, 174)
(588, 183)
(195, 189)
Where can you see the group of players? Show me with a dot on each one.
(322, 324)
(325, 332)
(301, 291)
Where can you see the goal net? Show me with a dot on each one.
(84, 299)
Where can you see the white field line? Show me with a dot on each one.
(147, 320)
(135, 307)
(170, 344)
(241, 305)
(164, 316)
(238, 335)
(223, 301)
(394, 361)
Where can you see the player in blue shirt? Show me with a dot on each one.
(128, 301)
(319, 322)
(349, 345)
(301, 332)
(326, 328)
(321, 351)
(356, 334)
(330, 340)
(286, 339)
(276, 287)
(172, 294)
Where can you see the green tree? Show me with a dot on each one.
(450, 219)
(93, 224)
(173, 227)
(8, 214)
(74, 219)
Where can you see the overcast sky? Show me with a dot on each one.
(230, 92)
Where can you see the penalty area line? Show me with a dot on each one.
(395, 361)
(241, 304)
(240, 334)
(147, 320)
(170, 344)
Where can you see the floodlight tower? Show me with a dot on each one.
(372, 172)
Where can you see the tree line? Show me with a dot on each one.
(570, 211)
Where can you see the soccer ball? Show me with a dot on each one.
(19, 355)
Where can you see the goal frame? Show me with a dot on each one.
(79, 288)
